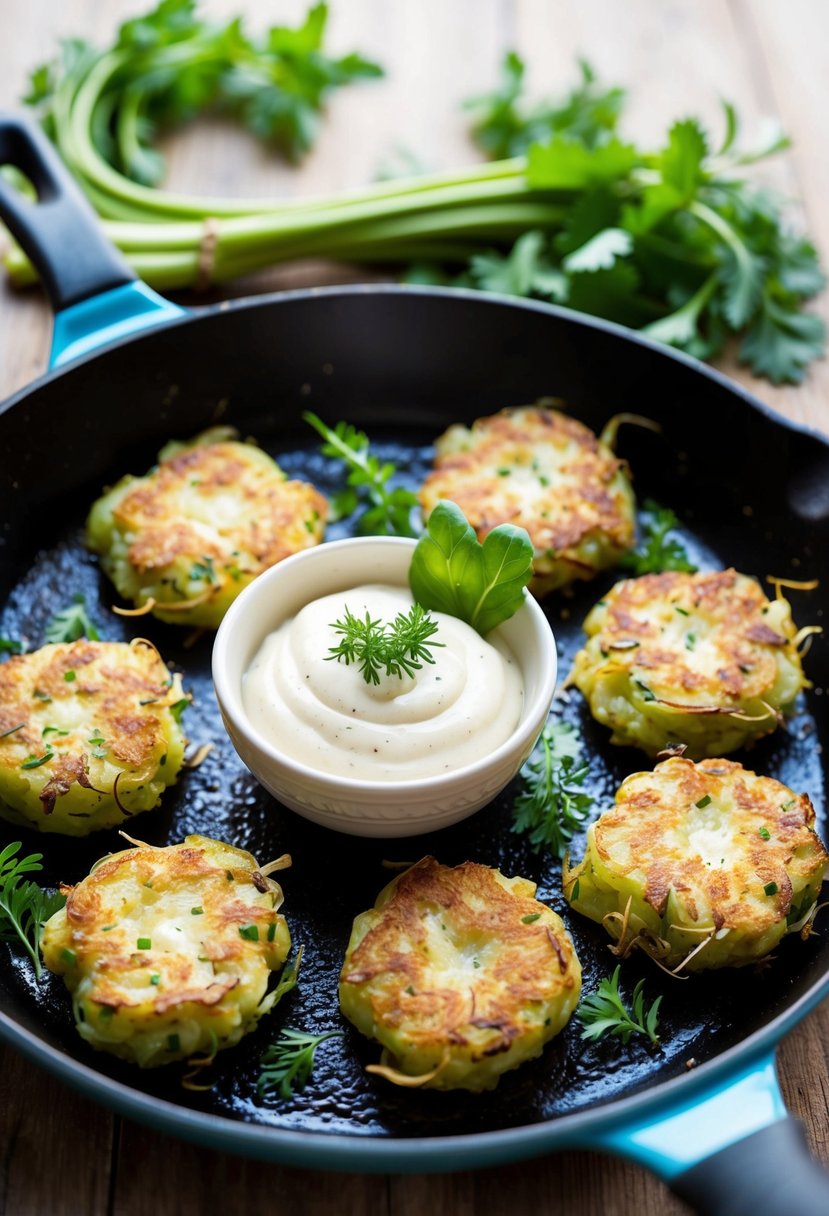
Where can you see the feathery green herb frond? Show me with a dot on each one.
(396, 648)
(553, 806)
(604, 1012)
(389, 508)
(24, 906)
(289, 1061)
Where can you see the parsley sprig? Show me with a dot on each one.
(71, 623)
(289, 1061)
(553, 806)
(659, 549)
(388, 508)
(396, 648)
(24, 906)
(604, 1012)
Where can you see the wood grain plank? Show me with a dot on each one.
(157, 1175)
(55, 1146)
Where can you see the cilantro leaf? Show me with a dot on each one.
(504, 125)
(451, 571)
(566, 164)
(781, 343)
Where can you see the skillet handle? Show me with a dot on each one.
(728, 1146)
(60, 231)
(769, 1173)
(96, 296)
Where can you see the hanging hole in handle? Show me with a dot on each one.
(18, 181)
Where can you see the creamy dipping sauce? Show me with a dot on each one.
(322, 713)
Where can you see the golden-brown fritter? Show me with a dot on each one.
(704, 660)
(701, 865)
(542, 471)
(168, 951)
(460, 974)
(192, 533)
(75, 719)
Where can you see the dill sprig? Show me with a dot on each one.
(24, 906)
(289, 1061)
(399, 647)
(658, 550)
(604, 1012)
(389, 508)
(552, 806)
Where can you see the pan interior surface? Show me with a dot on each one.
(402, 366)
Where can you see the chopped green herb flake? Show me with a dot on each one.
(14, 729)
(69, 676)
(272, 931)
(36, 761)
(703, 802)
(69, 956)
(173, 1042)
(178, 708)
(144, 943)
(155, 979)
(771, 888)
(105, 1012)
(249, 932)
(764, 833)
(197, 911)
(528, 920)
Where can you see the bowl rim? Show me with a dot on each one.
(232, 708)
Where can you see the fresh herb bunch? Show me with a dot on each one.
(452, 571)
(396, 648)
(604, 1012)
(389, 509)
(289, 1061)
(170, 64)
(673, 242)
(71, 623)
(505, 124)
(24, 906)
(553, 805)
(658, 550)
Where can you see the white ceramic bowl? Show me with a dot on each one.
(369, 808)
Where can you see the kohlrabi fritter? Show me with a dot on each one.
(168, 952)
(701, 660)
(700, 865)
(90, 734)
(191, 534)
(460, 974)
(545, 472)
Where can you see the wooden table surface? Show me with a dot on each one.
(62, 1155)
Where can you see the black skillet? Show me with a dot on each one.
(704, 1110)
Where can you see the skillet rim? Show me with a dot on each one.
(361, 1153)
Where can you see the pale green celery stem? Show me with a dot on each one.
(106, 181)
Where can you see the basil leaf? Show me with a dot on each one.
(451, 571)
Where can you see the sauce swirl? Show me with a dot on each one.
(322, 713)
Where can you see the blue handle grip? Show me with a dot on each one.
(733, 1152)
(95, 294)
(116, 313)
